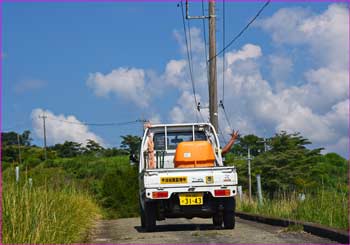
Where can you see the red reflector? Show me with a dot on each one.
(160, 194)
(222, 193)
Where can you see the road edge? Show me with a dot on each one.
(334, 234)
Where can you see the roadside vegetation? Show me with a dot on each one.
(42, 215)
(297, 182)
(78, 184)
(322, 207)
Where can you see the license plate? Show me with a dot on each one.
(191, 199)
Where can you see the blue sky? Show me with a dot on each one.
(60, 57)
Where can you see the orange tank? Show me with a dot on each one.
(194, 154)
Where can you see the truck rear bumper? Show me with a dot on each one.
(147, 192)
(171, 208)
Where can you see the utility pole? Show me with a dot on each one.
(213, 94)
(213, 97)
(249, 176)
(44, 126)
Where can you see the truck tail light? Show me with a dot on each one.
(222, 193)
(159, 194)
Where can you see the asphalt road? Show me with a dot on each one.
(196, 231)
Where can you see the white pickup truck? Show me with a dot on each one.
(181, 174)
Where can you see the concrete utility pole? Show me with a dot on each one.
(44, 126)
(249, 176)
(213, 94)
(213, 97)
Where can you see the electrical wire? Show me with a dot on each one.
(243, 30)
(205, 43)
(223, 45)
(97, 124)
(189, 55)
(222, 135)
(226, 116)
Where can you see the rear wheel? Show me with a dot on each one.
(229, 213)
(150, 213)
(142, 216)
(217, 220)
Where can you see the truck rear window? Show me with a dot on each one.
(174, 138)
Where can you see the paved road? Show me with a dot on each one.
(195, 231)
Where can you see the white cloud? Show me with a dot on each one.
(58, 131)
(280, 68)
(318, 108)
(248, 51)
(175, 72)
(123, 82)
(185, 110)
(326, 34)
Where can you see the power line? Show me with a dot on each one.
(205, 43)
(223, 45)
(226, 116)
(222, 135)
(188, 54)
(97, 124)
(243, 30)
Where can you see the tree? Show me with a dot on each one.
(93, 147)
(131, 143)
(252, 141)
(10, 138)
(288, 164)
(68, 149)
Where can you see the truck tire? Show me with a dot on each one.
(229, 213)
(142, 216)
(150, 216)
(217, 220)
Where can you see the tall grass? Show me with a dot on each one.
(325, 207)
(43, 215)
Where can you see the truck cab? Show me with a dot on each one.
(181, 174)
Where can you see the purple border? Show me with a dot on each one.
(1, 58)
(97, 1)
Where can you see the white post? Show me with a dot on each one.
(249, 176)
(17, 173)
(240, 193)
(258, 182)
(30, 182)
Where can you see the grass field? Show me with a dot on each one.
(329, 208)
(42, 215)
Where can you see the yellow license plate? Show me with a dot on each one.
(191, 199)
(173, 180)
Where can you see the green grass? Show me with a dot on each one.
(328, 208)
(43, 215)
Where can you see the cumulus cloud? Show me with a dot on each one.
(123, 82)
(29, 85)
(58, 131)
(280, 67)
(326, 34)
(317, 106)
